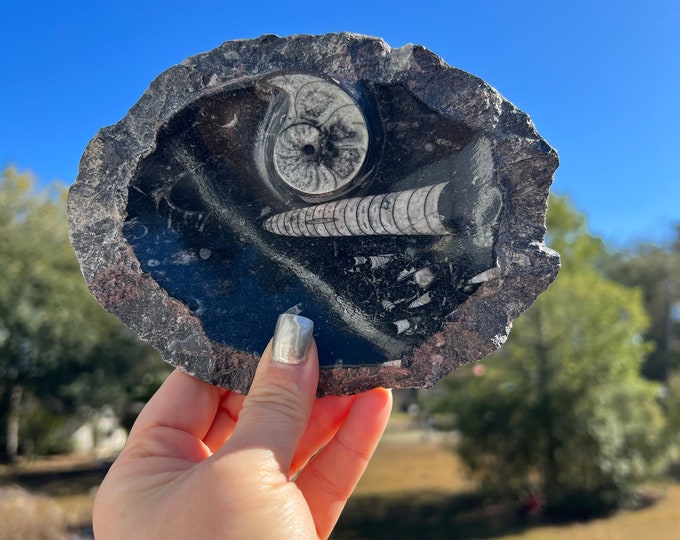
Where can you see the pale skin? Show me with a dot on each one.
(203, 462)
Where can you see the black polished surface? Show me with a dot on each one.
(198, 206)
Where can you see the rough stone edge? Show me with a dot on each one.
(479, 326)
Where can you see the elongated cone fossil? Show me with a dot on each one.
(416, 211)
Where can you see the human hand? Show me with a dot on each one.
(204, 462)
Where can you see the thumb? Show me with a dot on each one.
(276, 410)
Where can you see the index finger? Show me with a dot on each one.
(181, 410)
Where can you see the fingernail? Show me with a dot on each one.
(292, 337)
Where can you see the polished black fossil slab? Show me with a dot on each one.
(396, 201)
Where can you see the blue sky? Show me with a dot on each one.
(600, 79)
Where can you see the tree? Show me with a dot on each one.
(656, 271)
(561, 407)
(51, 329)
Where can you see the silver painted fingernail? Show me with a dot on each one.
(292, 337)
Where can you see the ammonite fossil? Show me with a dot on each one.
(396, 201)
(321, 140)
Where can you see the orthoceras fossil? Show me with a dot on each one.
(418, 211)
(321, 141)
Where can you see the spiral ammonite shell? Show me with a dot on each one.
(324, 141)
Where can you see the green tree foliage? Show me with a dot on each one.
(562, 408)
(56, 343)
(656, 271)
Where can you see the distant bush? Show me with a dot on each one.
(42, 431)
(562, 410)
(58, 347)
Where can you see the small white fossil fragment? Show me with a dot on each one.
(380, 260)
(423, 277)
(402, 325)
(487, 275)
(421, 301)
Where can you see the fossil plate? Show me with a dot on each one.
(396, 201)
